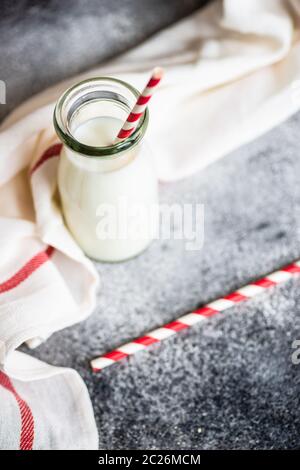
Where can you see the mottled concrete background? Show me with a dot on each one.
(44, 41)
(229, 383)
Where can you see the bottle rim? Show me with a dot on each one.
(71, 142)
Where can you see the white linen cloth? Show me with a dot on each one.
(232, 73)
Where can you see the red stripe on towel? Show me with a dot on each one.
(32, 265)
(27, 421)
(52, 151)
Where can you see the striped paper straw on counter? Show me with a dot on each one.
(140, 105)
(186, 321)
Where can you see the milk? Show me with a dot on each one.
(93, 188)
(98, 132)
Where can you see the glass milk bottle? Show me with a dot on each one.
(108, 190)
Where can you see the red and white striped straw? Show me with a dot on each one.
(140, 105)
(186, 321)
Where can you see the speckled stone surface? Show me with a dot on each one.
(227, 383)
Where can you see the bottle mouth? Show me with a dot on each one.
(97, 97)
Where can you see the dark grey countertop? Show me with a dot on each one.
(43, 42)
(227, 383)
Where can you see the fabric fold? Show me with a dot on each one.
(232, 73)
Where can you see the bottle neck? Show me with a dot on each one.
(103, 164)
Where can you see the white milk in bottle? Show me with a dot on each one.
(108, 191)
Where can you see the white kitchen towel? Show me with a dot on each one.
(46, 283)
(44, 407)
(232, 72)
